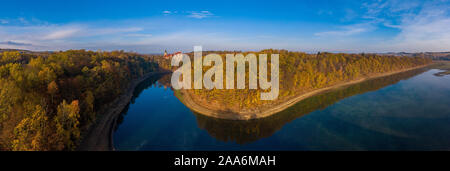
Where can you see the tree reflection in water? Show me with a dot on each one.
(160, 80)
(243, 132)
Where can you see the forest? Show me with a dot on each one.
(300, 73)
(47, 99)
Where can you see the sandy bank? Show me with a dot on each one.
(187, 100)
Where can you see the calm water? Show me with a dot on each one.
(407, 111)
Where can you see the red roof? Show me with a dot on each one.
(170, 55)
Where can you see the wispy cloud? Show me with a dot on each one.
(167, 12)
(4, 21)
(22, 21)
(384, 25)
(348, 30)
(418, 26)
(427, 30)
(66, 36)
(200, 15)
(190, 14)
(139, 35)
(15, 43)
(61, 34)
(422, 25)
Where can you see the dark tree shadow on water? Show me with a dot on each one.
(158, 80)
(243, 132)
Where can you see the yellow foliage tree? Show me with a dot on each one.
(67, 125)
(30, 132)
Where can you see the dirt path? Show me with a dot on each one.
(99, 136)
(187, 100)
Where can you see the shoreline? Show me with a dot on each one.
(187, 100)
(99, 136)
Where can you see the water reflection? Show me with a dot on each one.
(243, 132)
(160, 80)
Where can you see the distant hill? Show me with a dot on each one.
(44, 53)
(432, 55)
(20, 50)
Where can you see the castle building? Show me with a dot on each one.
(168, 56)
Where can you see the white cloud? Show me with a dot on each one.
(425, 28)
(416, 26)
(422, 25)
(61, 34)
(200, 15)
(429, 30)
(139, 35)
(109, 31)
(348, 30)
(65, 36)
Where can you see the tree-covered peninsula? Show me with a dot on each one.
(299, 74)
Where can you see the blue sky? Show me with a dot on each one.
(153, 26)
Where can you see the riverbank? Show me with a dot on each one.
(188, 100)
(99, 135)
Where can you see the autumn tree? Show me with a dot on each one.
(67, 125)
(30, 132)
